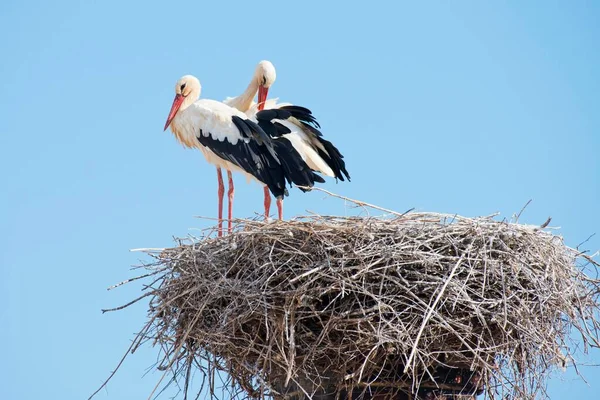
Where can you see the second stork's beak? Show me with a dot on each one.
(174, 108)
(262, 97)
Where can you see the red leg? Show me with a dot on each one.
(267, 203)
(230, 198)
(280, 208)
(220, 192)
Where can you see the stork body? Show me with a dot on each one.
(229, 139)
(291, 123)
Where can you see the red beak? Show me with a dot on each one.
(262, 97)
(174, 108)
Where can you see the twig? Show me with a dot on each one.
(128, 304)
(522, 209)
(358, 202)
(148, 250)
(131, 280)
(120, 362)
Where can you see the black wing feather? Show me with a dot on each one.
(302, 114)
(333, 157)
(251, 130)
(253, 158)
(296, 170)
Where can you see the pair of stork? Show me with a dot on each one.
(270, 142)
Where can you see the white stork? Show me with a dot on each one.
(229, 139)
(293, 123)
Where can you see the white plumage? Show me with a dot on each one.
(211, 118)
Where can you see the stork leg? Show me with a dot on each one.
(230, 193)
(267, 202)
(220, 192)
(280, 208)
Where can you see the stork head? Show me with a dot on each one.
(187, 91)
(265, 74)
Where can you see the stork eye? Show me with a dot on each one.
(264, 81)
(182, 86)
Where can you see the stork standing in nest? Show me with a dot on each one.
(229, 139)
(284, 120)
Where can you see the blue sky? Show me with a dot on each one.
(464, 108)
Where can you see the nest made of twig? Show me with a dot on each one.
(330, 304)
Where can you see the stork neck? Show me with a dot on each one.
(246, 98)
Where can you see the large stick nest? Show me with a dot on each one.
(330, 304)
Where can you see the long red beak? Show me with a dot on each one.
(262, 97)
(174, 108)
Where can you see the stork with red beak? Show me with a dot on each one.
(294, 123)
(229, 139)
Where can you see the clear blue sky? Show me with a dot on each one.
(467, 109)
